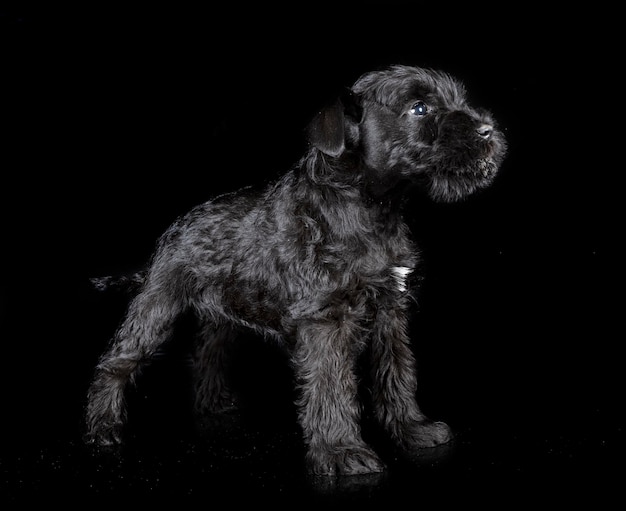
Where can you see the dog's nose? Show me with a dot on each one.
(485, 131)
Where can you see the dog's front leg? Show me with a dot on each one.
(329, 412)
(395, 384)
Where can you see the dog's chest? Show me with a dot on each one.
(401, 275)
(385, 268)
(380, 261)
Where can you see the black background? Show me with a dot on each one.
(115, 121)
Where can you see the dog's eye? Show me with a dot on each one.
(419, 108)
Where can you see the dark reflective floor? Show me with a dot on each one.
(115, 123)
(488, 462)
(524, 432)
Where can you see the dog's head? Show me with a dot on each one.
(407, 123)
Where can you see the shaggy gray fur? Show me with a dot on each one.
(320, 261)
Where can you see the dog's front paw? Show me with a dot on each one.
(344, 460)
(427, 434)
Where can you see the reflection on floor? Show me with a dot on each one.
(256, 454)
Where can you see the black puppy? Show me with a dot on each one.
(319, 261)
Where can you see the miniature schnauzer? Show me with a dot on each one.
(319, 260)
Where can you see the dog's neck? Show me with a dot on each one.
(341, 171)
(338, 184)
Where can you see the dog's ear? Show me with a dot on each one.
(330, 127)
(326, 130)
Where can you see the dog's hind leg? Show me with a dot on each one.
(329, 412)
(149, 323)
(210, 363)
(395, 384)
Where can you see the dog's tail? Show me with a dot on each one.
(126, 283)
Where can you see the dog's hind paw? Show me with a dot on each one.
(226, 403)
(344, 460)
(109, 436)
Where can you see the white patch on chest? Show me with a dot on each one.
(401, 273)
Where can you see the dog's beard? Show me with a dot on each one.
(465, 169)
(453, 183)
(443, 182)
(446, 189)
